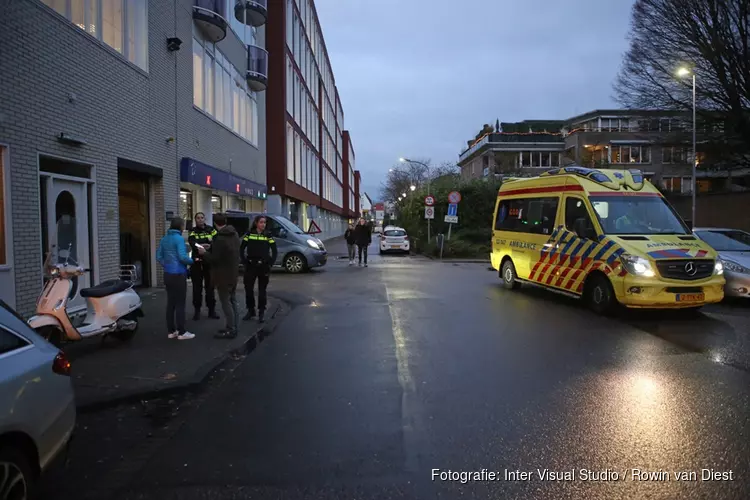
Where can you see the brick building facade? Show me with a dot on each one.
(100, 128)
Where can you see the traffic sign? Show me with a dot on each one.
(314, 229)
(429, 212)
(453, 209)
(429, 200)
(451, 219)
(454, 197)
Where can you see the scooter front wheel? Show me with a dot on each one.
(51, 334)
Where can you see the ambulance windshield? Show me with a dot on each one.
(620, 215)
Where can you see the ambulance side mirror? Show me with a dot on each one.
(583, 230)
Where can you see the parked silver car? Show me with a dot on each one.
(298, 251)
(37, 405)
(733, 247)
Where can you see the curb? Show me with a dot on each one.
(200, 375)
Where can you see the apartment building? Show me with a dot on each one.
(116, 116)
(656, 142)
(310, 159)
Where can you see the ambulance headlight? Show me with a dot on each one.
(637, 265)
(719, 267)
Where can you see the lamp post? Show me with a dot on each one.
(684, 72)
(407, 160)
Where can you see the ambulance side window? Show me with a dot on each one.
(530, 215)
(510, 215)
(575, 208)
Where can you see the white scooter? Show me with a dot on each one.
(113, 307)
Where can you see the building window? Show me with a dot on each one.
(216, 204)
(3, 242)
(681, 185)
(221, 91)
(289, 152)
(186, 205)
(675, 154)
(630, 154)
(121, 24)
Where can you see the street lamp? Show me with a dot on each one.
(683, 72)
(407, 160)
(412, 187)
(404, 195)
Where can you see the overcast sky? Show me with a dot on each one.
(418, 78)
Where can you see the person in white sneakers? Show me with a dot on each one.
(174, 258)
(351, 243)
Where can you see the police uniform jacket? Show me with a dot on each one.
(258, 249)
(200, 236)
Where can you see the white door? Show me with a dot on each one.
(68, 228)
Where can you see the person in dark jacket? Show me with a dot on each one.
(173, 257)
(200, 273)
(224, 260)
(363, 238)
(351, 243)
(258, 253)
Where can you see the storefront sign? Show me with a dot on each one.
(199, 173)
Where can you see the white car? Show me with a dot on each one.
(394, 239)
(37, 405)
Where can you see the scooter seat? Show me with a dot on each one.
(105, 288)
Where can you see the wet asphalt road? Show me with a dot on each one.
(380, 375)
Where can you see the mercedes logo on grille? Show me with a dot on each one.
(690, 269)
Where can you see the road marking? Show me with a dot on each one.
(411, 420)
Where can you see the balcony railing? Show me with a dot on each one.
(251, 12)
(210, 17)
(257, 68)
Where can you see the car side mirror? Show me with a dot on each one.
(283, 233)
(583, 230)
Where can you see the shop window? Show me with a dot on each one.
(216, 206)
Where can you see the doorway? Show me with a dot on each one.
(135, 231)
(66, 229)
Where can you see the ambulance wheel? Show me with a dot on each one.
(508, 275)
(599, 295)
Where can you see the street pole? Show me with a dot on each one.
(695, 154)
(429, 239)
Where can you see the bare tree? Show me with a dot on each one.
(401, 177)
(709, 36)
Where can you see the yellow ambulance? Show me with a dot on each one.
(606, 236)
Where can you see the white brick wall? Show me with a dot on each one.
(120, 110)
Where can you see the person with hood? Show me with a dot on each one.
(224, 261)
(173, 257)
(258, 253)
(351, 243)
(363, 238)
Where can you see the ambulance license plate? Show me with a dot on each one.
(690, 297)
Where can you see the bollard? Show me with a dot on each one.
(441, 239)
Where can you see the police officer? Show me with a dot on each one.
(200, 274)
(258, 253)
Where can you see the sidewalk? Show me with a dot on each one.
(106, 371)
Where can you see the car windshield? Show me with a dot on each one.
(395, 232)
(288, 225)
(726, 241)
(620, 215)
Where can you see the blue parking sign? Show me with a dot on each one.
(453, 209)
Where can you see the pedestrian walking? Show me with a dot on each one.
(200, 272)
(351, 243)
(173, 257)
(258, 252)
(363, 238)
(224, 261)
